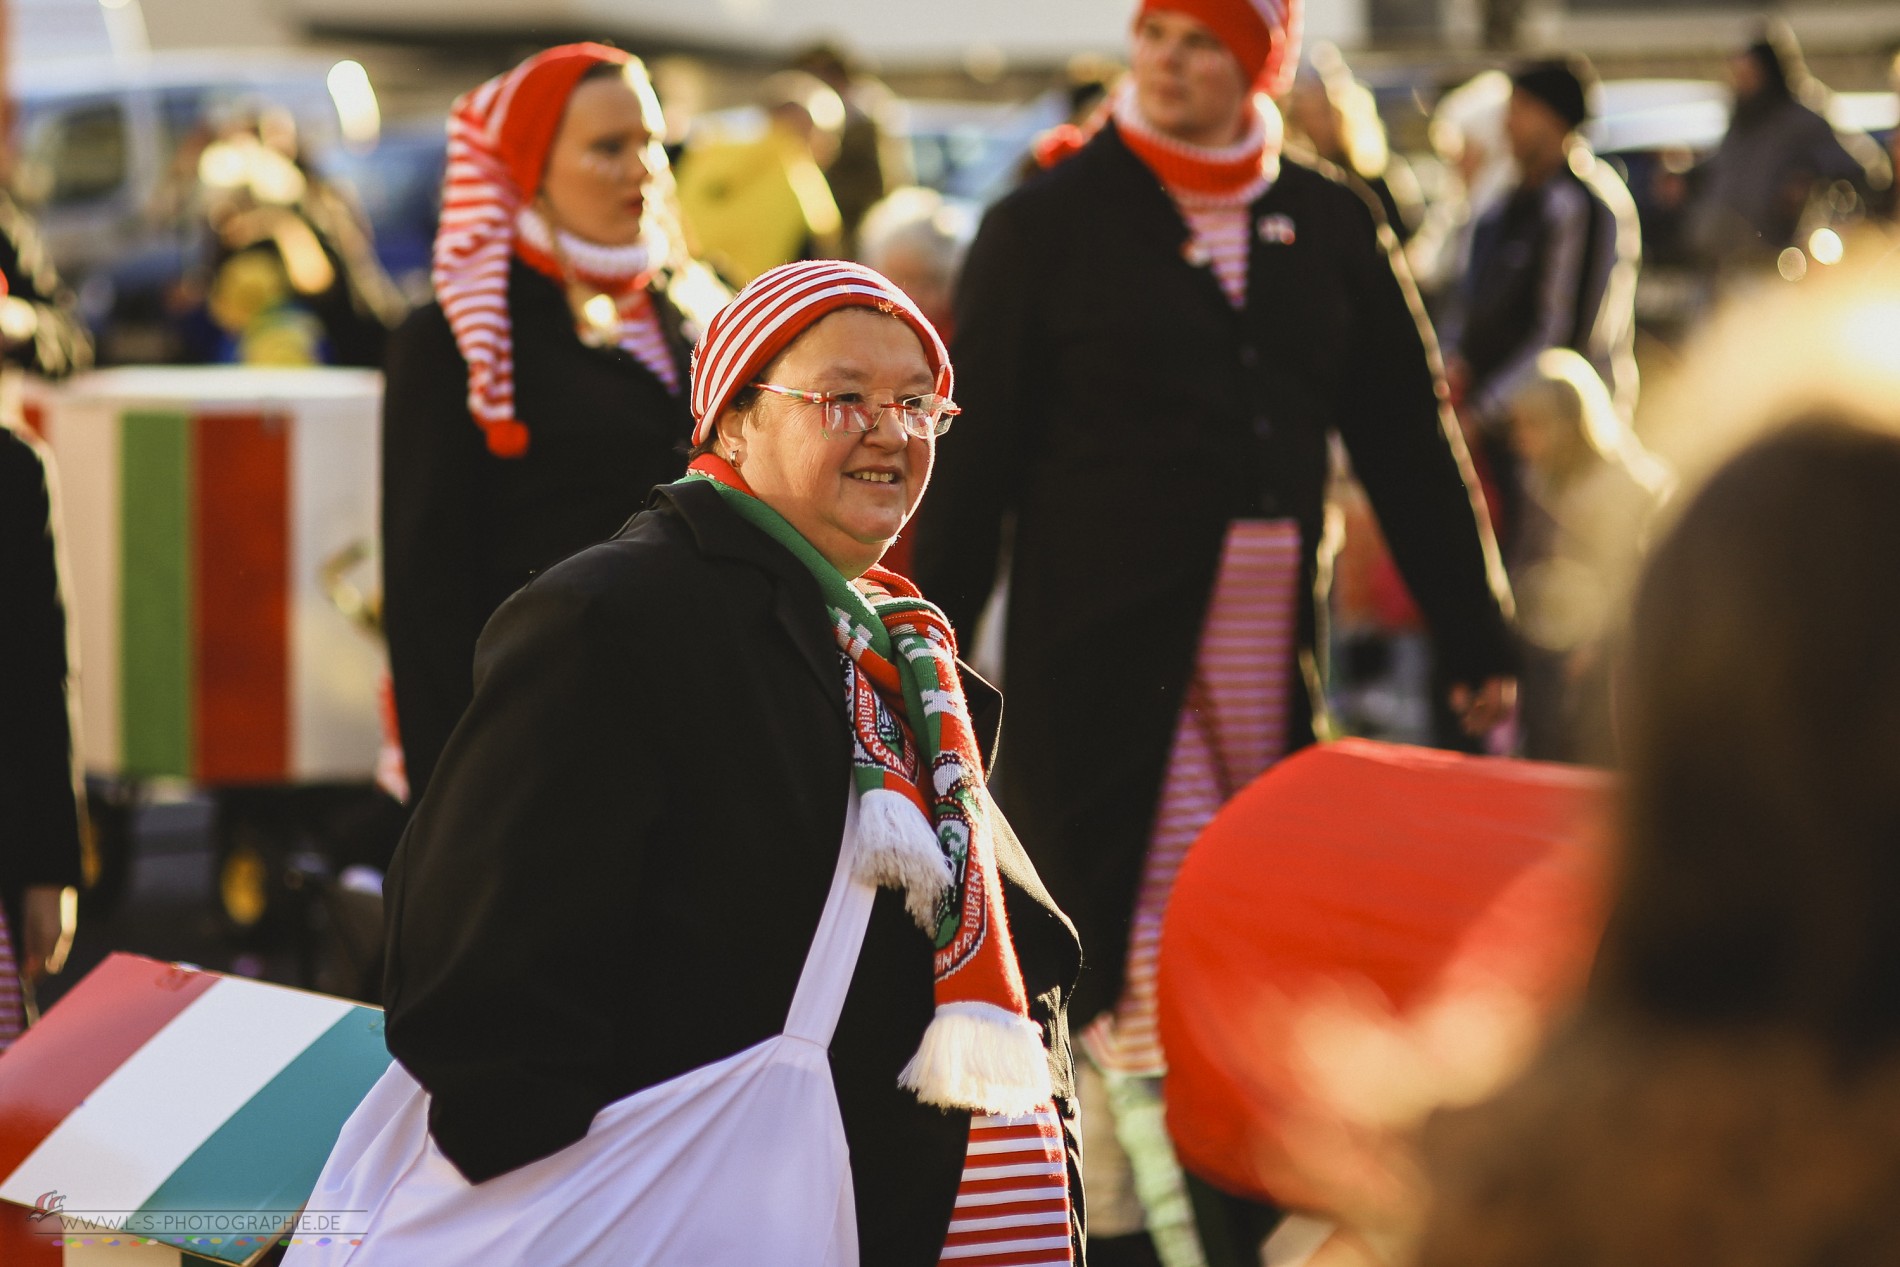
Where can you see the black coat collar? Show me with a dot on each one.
(799, 604)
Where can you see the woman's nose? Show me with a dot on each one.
(887, 432)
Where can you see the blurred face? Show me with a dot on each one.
(849, 495)
(1745, 76)
(1536, 132)
(603, 158)
(1187, 84)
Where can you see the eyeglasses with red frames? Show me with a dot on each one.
(849, 413)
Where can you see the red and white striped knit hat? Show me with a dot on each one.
(499, 136)
(763, 320)
(1263, 35)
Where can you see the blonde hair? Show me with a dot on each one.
(1563, 392)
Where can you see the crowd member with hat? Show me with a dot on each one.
(1553, 265)
(1778, 151)
(1157, 339)
(530, 408)
(631, 837)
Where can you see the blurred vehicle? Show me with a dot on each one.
(974, 150)
(108, 162)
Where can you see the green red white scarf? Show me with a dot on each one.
(932, 838)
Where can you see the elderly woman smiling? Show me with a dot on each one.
(707, 943)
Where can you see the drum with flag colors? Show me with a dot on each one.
(1365, 931)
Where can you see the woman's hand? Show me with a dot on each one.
(1478, 711)
(50, 916)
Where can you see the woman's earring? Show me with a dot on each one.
(734, 459)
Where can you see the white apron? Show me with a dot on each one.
(738, 1162)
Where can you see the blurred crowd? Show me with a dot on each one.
(1229, 364)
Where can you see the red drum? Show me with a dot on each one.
(1389, 881)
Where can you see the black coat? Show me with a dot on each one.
(39, 811)
(616, 873)
(1125, 413)
(462, 528)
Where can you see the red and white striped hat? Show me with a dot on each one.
(499, 135)
(769, 314)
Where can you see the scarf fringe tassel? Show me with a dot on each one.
(898, 850)
(980, 1057)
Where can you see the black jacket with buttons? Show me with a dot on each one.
(1124, 413)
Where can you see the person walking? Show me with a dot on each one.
(532, 406)
(1553, 265)
(610, 1054)
(41, 797)
(1158, 337)
(1778, 151)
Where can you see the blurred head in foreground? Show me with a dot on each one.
(1731, 1089)
(1762, 709)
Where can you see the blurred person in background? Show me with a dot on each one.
(1730, 1095)
(532, 406)
(1778, 153)
(1553, 265)
(41, 802)
(752, 184)
(1893, 146)
(1467, 133)
(1590, 491)
(1085, 86)
(290, 274)
(1339, 118)
(868, 163)
(40, 810)
(917, 238)
(1156, 338)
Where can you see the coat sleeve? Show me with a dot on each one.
(514, 874)
(39, 807)
(432, 604)
(978, 478)
(1407, 451)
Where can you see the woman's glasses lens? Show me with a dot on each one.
(921, 416)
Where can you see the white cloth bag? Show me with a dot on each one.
(738, 1162)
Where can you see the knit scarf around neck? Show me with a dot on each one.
(931, 836)
(1233, 174)
(613, 269)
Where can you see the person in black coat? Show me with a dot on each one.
(1124, 413)
(40, 804)
(1136, 377)
(574, 304)
(615, 873)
